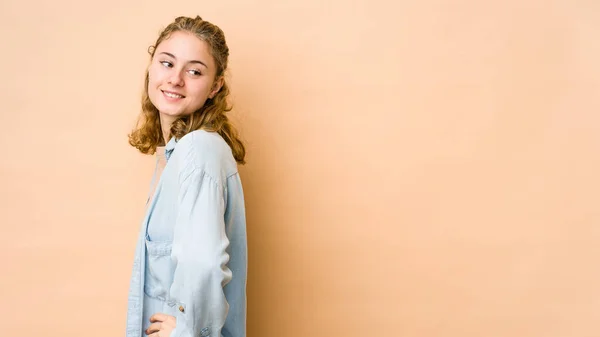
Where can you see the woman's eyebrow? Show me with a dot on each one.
(192, 61)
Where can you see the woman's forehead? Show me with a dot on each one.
(185, 47)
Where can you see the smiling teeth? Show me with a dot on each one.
(173, 95)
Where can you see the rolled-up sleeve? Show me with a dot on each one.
(200, 254)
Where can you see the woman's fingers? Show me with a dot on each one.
(161, 323)
(159, 317)
(154, 327)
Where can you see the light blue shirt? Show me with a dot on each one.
(191, 255)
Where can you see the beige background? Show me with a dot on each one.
(415, 168)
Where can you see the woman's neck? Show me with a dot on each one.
(165, 124)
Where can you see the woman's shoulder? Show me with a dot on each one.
(207, 151)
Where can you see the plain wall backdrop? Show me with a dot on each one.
(415, 168)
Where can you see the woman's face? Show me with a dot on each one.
(181, 75)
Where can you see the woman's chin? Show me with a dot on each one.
(171, 113)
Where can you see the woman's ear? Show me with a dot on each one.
(216, 87)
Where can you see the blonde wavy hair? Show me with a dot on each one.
(147, 134)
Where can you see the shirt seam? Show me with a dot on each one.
(195, 166)
(203, 174)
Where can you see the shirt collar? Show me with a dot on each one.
(170, 147)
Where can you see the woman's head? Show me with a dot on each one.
(185, 86)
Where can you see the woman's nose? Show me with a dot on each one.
(175, 78)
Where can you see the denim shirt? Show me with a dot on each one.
(191, 254)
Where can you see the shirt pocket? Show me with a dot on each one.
(159, 269)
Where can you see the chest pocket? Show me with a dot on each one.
(159, 269)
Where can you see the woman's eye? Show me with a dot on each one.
(195, 72)
(166, 64)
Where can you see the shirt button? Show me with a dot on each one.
(181, 308)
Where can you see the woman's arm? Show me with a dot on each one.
(199, 251)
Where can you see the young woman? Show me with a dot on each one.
(189, 271)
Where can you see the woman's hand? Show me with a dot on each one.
(162, 325)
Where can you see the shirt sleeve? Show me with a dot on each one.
(199, 252)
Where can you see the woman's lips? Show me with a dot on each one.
(172, 96)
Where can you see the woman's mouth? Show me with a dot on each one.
(172, 95)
